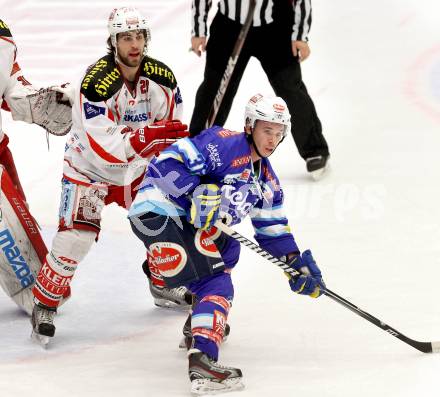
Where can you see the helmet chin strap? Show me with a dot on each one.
(250, 139)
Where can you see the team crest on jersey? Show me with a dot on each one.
(178, 96)
(244, 177)
(93, 110)
(169, 258)
(204, 242)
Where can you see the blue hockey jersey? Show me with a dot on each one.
(222, 157)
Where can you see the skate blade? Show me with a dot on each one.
(166, 304)
(200, 387)
(186, 343)
(182, 343)
(42, 340)
(320, 174)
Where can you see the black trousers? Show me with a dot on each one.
(271, 45)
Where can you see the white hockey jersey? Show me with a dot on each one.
(13, 86)
(98, 149)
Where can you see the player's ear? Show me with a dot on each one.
(248, 126)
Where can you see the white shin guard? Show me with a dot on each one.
(69, 248)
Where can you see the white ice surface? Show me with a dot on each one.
(373, 223)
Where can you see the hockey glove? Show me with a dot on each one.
(310, 281)
(205, 205)
(152, 139)
(51, 109)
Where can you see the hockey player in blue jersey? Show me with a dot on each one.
(219, 174)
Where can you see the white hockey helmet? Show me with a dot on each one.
(267, 108)
(125, 19)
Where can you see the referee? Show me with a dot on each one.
(278, 38)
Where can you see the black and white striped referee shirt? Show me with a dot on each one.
(237, 10)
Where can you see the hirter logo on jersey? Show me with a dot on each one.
(93, 110)
(169, 258)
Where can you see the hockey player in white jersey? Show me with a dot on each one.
(125, 111)
(22, 248)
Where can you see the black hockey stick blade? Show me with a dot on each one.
(231, 65)
(424, 347)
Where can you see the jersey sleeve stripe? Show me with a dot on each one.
(110, 115)
(101, 152)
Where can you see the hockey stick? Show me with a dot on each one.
(425, 347)
(231, 65)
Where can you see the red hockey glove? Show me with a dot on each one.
(154, 138)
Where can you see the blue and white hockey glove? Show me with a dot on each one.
(205, 205)
(310, 281)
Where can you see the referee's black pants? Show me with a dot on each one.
(272, 46)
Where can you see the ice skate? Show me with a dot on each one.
(187, 340)
(317, 166)
(171, 298)
(209, 377)
(42, 323)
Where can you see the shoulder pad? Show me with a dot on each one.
(4, 30)
(102, 80)
(158, 72)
